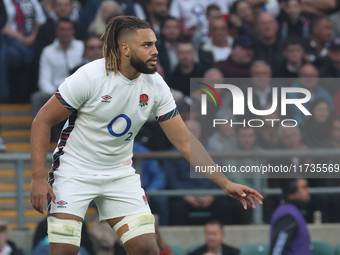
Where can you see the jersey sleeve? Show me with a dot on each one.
(75, 90)
(165, 107)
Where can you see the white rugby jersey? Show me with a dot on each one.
(107, 113)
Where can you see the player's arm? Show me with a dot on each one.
(52, 113)
(180, 136)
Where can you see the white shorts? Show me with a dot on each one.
(114, 197)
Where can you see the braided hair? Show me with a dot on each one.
(115, 29)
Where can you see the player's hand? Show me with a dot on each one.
(39, 191)
(242, 193)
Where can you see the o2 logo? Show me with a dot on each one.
(128, 126)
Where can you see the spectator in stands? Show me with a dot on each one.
(317, 47)
(186, 68)
(268, 139)
(154, 179)
(41, 233)
(7, 247)
(224, 134)
(268, 48)
(214, 235)
(270, 6)
(49, 8)
(167, 56)
(267, 135)
(262, 84)
(331, 67)
(93, 51)
(184, 104)
(309, 80)
(46, 34)
(240, 60)
(17, 38)
(201, 36)
(211, 76)
(295, 24)
(291, 139)
(56, 62)
(245, 141)
(157, 10)
(289, 233)
(283, 13)
(192, 14)
(218, 46)
(108, 9)
(326, 203)
(214, 75)
(243, 17)
(131, 8)
(179, 173)
(23, 22)
(293, 61)
(317, 128)
(87, 12)
(319, 8)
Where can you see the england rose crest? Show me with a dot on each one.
(145, 200)
(143, 100)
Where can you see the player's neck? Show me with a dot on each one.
(129, 72)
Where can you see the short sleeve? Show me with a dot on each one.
(165, 102)
(76, 89)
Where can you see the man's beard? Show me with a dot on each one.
(141, 66)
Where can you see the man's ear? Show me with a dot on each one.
(125, 49)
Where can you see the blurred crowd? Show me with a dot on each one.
(44, 42)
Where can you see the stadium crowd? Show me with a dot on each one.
(44, 42)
